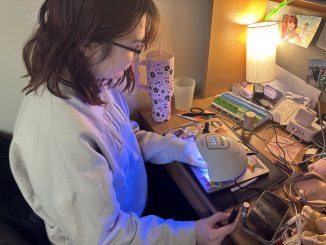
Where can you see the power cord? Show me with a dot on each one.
(280, 161)
(273, 125)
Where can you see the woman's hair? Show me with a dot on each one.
(293, 19)
(55, 49)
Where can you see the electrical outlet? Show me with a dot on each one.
(302, 132)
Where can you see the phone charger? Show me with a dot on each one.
(302, 132)
(305, 116)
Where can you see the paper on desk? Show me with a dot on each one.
(290, 147)
(296, 86)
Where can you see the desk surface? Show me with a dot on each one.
(192, 191)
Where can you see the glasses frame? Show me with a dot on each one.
(128, 48)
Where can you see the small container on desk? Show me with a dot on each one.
(248, 123)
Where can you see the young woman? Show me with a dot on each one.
(289, 29)
(76, 156)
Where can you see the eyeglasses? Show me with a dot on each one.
(128, 48)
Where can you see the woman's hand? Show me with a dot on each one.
(207, 233)
(192, 156)
(319, 166)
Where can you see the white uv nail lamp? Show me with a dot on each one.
(226, 158)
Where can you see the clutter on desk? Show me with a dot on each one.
(290, 147)
(244, 211)
(286, 108)
(313, 227)
(241, 90)
(318, 139)
(258, 91)
(236, 107)
(264, 220)
(307, 188)
(293, 112)
(196, 114)
(265, 103)
(248, 123)
(309, 157)
(266, 96)
(301, 125)
(215, 126)
(290, 83)
(307, 227)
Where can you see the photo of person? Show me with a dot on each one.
(317, 76)
(303, 33)
(289, 26)
(299, 29)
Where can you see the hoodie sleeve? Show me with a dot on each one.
(91, 214)
(157, 148)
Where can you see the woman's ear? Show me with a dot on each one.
(90, 49)
(93, 52)
(86, 49)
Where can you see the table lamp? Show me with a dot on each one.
(262, 41)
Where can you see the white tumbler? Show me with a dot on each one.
(184, 88)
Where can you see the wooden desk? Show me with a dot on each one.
(189, 187)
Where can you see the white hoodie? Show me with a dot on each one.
(81, 169)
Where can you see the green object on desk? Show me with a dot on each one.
(275, 10)
(230, 106)
(227, 104)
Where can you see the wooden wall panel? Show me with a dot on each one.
(227, 48)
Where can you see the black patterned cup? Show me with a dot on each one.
(160, 82)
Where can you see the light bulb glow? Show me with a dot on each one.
(262, 39)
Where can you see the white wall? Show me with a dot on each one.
(185, 31)
(17, 18)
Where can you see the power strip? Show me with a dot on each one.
(302, 132)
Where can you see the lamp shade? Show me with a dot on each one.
(262, 41)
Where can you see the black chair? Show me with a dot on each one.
(18, 223)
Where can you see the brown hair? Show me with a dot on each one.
(292, 18)
(65, 26)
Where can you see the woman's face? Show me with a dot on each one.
(119, 59)
(291, 24)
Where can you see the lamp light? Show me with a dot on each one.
(262, 41)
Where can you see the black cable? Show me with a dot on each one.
(264, 140)
(273, 125)
(276, 141)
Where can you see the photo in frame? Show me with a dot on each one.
(317, 76)
(299, 29)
